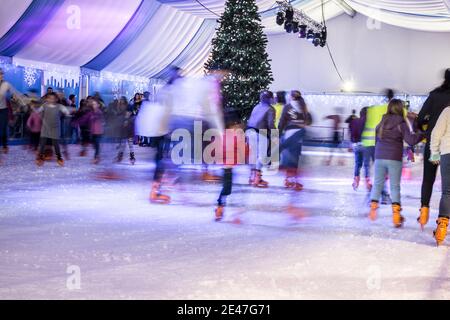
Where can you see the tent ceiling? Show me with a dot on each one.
(143, 37)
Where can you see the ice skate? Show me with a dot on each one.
(60, 162)
(397, 218)
(355, 183)
(108, 175)
(368, 184)
(83, 153)
(441, 230)
(219, 213)
(423, 217)
(258, 182)
(373, 210)
(291, 183)
(40, 160)
(209, 177)
(132, 158)
(156, 196)
(5, 150)
(96, 160)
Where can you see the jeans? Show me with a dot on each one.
(226, 186)
(158, 143)
(359, 150)
(55, 143)
(429, 176)
(259, 148)
(291, 148)
(369, 155)
(394, 169)
(444, 208)
(96, 142)
(4, 127)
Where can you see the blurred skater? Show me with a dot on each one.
(293, 122)
(440, 154)
(262, 120)
(51, 113)
(356, 127)
(234, 148)
(437, 101)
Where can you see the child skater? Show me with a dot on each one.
(51, 113)
(234, 153)
(34, 125)
(390, 134)
(94, 119)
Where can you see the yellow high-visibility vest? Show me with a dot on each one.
(373, 118)
(278, 111)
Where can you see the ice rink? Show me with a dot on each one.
(66, 235)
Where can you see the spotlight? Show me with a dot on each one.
(348, 86)
(289, 14)
(324, 34)
(302, 31)
(295, 28)
(280, 18)
(288, 26)
(310, 35)
(317, 39)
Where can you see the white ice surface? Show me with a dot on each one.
(127, 248)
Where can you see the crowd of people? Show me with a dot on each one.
(381, 136)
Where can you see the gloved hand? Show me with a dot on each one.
(435, 158)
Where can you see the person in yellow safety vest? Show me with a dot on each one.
(368, 137)
(279, 106)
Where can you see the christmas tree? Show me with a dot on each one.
(240, 47)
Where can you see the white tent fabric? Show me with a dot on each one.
(162, 40)
(214, 7)
(169, 35)
(65, 42)
(432, 15)
(12, 14)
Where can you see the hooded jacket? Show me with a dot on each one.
(390, 134)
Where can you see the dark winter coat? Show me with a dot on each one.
(437, 101)
(292, 118)
(391, 132)
(356, 127)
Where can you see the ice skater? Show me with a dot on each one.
(293, 122)
(152, 127)
(437, 101)
(262, 120)
(356, 127)
(34, 125)
(94, 119)
(5, 89)
(234, 153)
(337, 137)
(440, 154)
(390, 134)
(51, 113)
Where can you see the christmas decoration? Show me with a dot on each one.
(240, 48)
(30, 76)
